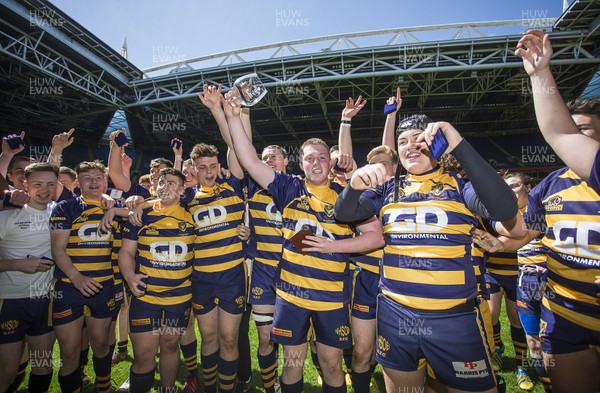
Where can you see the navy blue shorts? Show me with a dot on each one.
(21, 317)
(454, 344)
(262, 290)
(364, 300)
(68, 304)
(529, 301)
(497, 282)
(226, 288)
(559, 335)
(292, 323)
(147, 317)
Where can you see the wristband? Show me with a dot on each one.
(178, 158)
(346, 122)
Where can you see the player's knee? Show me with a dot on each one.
(361, 354)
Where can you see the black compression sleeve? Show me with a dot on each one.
(350, 207)
(494, 194)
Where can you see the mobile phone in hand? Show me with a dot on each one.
(175, 143)
(15, 142)
(387, 109)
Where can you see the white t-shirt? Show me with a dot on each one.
(24, 232)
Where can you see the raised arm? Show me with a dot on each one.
(389, 130)
(345, 136)
(212, 99)
(115, 168)
(177, 145)
(560, 131)
(246, 153)
(59, 143)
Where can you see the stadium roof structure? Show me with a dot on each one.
(55, 74)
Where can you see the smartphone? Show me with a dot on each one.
(121, 139)
(15, 142)
(175, 143)
(387, 109)
(439, 144)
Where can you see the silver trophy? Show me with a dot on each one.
(249, 89)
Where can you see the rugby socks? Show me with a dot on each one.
(520, 343)
(190, 358)
(111, 348)
(331, 389)
(141, 383)
(227, 374)
(315, 360)
(497, 339)
(210, 365)
(71, 383)
(83, 358)
(348, 360)
(360, 381)
(244, 367)
(373, 367)
(122, 346)
(295, 387)
(102, 369)
(268, 370)
(538, 366)
(19, 377)
(39, 383)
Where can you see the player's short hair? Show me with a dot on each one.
(585, 106)
(277, 148)
(160, 161)
(40, 167)
(201, 150)
(525, 178)
(65, 170)
(172, 171)
(334, 148)
(449, 163)
(383, 150)
(144, 179)
(188, 162)
(87, 166)
(312, 142)
(17, 159)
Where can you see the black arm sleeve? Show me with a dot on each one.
(350, 207)
(497, 198)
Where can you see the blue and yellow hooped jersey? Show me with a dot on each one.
(313, 281)
(534, 252)
(114, 254)
(90, 251)
(165, 253)
(568, 211)
(217, 211)
(266, 239)
(428, 232)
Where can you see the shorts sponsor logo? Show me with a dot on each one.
(282, 332)
(62, 314)
(197, 306)
(360, 307)
(474, 369)
(140, 322)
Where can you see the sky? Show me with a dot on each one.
(161, 30)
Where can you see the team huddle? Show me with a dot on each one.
(403, 262)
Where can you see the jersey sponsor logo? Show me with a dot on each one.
(88, 233)
(58, 219)
(140, 322)
(418, 219)
(573, 236)
(282, 332)
(307, 222)
(210, 215)
(169, 251)
(474, 369)
(272, 212)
